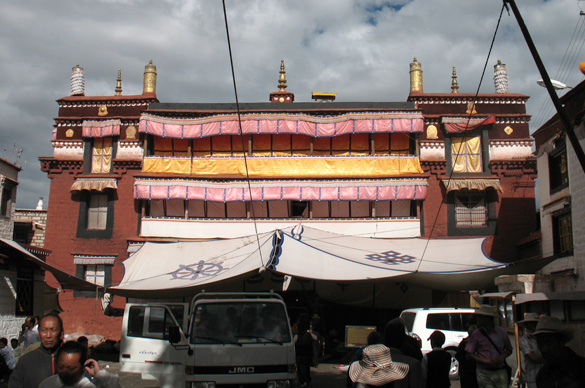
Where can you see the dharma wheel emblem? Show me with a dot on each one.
(194, 271)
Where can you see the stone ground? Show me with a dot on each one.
(324, 376)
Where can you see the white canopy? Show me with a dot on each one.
(303, 252)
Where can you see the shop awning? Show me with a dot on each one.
(304, 253)
(275, 190)
(462, 124)
(472, 184)
(96, 184)
(65, 279)
(106, 128)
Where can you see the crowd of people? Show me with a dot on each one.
(40, 358)
(394, 360)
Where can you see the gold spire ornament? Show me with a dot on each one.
(149, 78)
(282, 95)
(119, 83)
(282, 78)
(416, 76)
(454, 85)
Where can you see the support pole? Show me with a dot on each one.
(551, 91)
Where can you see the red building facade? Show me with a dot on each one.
(128, 170)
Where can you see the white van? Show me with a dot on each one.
(220, 339)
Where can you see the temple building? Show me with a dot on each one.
(371, 205)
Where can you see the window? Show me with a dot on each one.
(472, 212)
(6, 204)
(466, 154)
(562, 232)
(25, 286)
(158, 319)
(96, 214)
(557, 167)
(95, 273)
(97, 211)
(471, 209)
(102, 154)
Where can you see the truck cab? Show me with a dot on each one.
(219, 339)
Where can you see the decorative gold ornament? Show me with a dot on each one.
(281, 99)
(508, 130)
(131, 132)
(103, 111)
(471, 108)
(70, 132)
(432, 132)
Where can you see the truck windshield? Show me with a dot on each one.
(239, 323)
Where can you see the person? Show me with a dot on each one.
(407, 344)
(85, 342)
(529, 348)
(17, 350)
(562, 367)
(35, 366)
(377, 369)
(319, 345)
(304, 350)
(437, 363)
(71, 363)
(375, 337)
(29, 333)
(489, 346)
(8, 357)
(467, 376)
(394, 338)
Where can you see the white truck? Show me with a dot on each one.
(219, 340)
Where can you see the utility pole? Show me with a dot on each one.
(551, 91)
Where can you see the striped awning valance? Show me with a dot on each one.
(462, 124)
(101, 128)
(472, 184)
(282, 123)
(95, 184)
(93, 260)
(327, 190)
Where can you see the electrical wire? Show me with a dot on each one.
(474, 100)
(227, 31)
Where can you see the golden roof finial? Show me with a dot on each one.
(119, 83)
(282, 78)
(454, 85)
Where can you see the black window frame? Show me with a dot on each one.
(556, 218)
(82, 230)
(491, 198)
(485, 152)
(557, 162)
(80, 273)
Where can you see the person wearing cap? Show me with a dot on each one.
(376, 368)
(562, 366)
(437, 363)
(489, 346)
(529, 349)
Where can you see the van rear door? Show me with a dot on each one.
(144, 345)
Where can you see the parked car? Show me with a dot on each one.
(452, 321)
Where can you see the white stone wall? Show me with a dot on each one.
(9, 324)
(577, 184)
(71, 150)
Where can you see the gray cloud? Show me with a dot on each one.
(358, 49)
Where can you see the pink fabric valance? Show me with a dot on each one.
(301, 124)
(362, 190)
(462, 124)
(101, 128)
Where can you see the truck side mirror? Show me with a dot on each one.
(174, 334)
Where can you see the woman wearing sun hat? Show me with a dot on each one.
(376, 368)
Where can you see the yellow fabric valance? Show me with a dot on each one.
(311, 167)
(472, 184)
(94, 184)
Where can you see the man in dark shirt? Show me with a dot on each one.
(38, 364)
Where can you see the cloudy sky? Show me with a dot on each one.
(360, 50)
